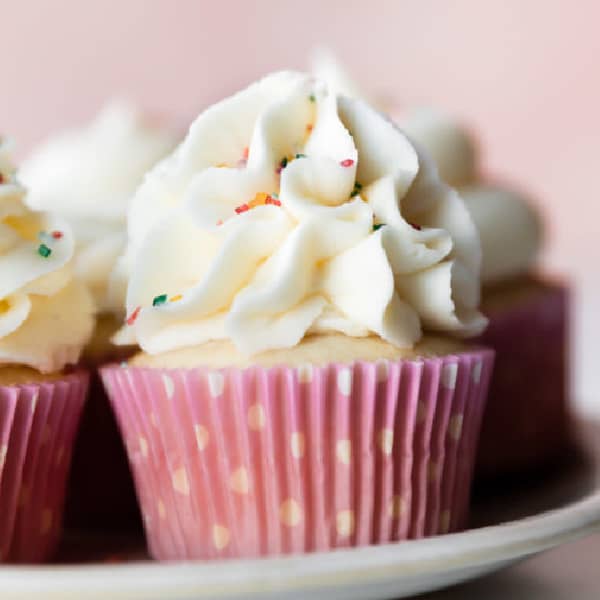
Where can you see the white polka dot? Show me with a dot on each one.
(421, 412)
(162, 511)
(433, 471)
(216, 383)
(344, 522)
(449, 373)
(46, 521)
(343, 451)
(153, 419)
(169, 385)
(476, 374)
(385, 439)
(239, 481)
(297, 444)
(202, 436)
(147, 520)
(381, 370)
(444, 522)
(305, 373)
(455, 426)
(256, 417)
(34, 400)
(60, 454)
(143, 446)
(290, 512)
(397, 507)
(180, 481)
(221, 536)
(344, 381)
(3, 453)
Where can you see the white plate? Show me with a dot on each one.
(391, 571)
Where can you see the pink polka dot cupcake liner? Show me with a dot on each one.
(526, 422)
(38, 423)
(244, 463)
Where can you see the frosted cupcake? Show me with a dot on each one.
(527, 421)
(88, 176)
(46, 317)
(293, 251)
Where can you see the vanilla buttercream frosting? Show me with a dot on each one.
(289, 210)
(509, 227)
(46, 314)
(87, 176)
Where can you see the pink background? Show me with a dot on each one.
(525, 74)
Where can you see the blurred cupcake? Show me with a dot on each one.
(527, 420)
(46, 317)
(286, 399)
(87, 176)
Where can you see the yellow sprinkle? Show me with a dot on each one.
(222, 166)
(175, 298)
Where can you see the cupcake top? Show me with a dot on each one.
(87, 176)
(509, 228)
(290, 210)
(46, 315)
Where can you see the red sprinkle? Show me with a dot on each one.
(414, 226)
(347, 162)
(245, 153)
(57, 235)
(1, 178)
(271, 200)
(133, 316)
(241, 209)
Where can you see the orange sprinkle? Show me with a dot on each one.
(309, 127)
(176, 298)
(259, 199)
(245, 153)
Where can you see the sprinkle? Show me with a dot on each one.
(44, 251)
(222, 166)
(414, 226)
(242, 208)
(1, 178)
(312, 98)
(158, 300)
(259, 199)
(348, 162)
(57, 235)
(176, 298)
(133, 316)
(309, 127)
(284, 162)
(378, 226)
(356, 189)
(220, 222)
(271, 200)
(246, 153)
(300, 155)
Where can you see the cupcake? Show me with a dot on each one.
(46, 318)
(527, 423)
(300, 283)
(87, 176)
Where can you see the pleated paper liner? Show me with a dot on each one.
(255, 462)
(38, 423)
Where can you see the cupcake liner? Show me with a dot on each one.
(38, 423)
(254, 462)
(527, 418)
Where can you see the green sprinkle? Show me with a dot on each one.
(378, 226)
(300, 155)
(312, 98)
(158, 300)
(284, 162)
(44, 251)
(356, 190)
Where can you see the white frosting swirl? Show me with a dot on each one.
(46, 316)
(500, 214)
(263, 254)
(87, 177)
